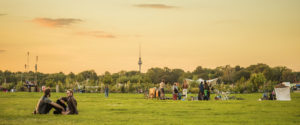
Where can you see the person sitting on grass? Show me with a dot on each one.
(44, 105)
(71, 102)
(272, 95)
(265, 96)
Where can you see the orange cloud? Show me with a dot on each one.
(156, 6)
(3, 14)
(2, 50)
(97, 34)
(60, 22)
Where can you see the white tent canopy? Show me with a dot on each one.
(211, 81)
(283, 94)
(287, 84)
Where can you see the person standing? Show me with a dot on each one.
(206, 90)
(201, 91)
(209, 91)
(106, 90)
(175, 91)
(162, 91)
(185, 87)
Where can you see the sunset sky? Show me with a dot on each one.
(104, 35)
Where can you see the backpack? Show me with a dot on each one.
(175, 90)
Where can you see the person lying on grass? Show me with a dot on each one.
(71, 102)
(44, 105)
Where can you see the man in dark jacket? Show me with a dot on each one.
(201, 91)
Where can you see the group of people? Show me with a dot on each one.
(204, 91)
(161, 91)
(272, 96)
(176, 92)
(203, 94)
(44, 105)
(68, 105)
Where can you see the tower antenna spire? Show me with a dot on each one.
(140, 58)
(140, 50)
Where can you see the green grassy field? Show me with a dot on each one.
(94, 108)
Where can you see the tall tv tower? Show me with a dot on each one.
(140, 59)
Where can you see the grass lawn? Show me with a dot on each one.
(94, 108)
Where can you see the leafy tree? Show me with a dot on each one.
(107, 78)
(20, 86)
(241, 74)
(251, 79)
(155, 74)
(257, 81)
(228, 73)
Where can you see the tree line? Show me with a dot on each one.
(253, 78)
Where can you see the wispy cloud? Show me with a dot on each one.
(3, 14)
(229, 21)
(59, 22)
(97, 34)
(2, 50)
(155, 6)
